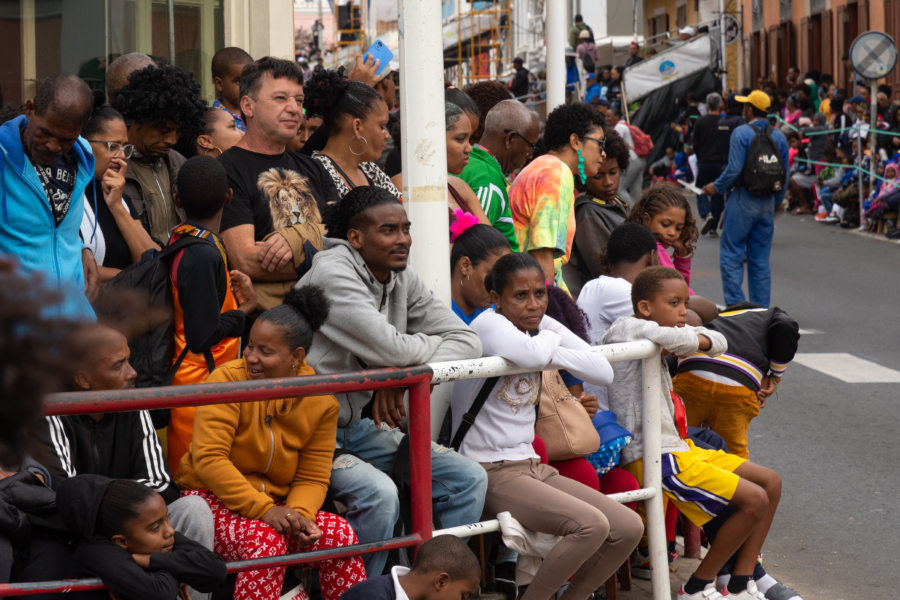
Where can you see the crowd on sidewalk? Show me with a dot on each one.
(266, 236)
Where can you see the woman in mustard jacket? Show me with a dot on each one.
(264, 467)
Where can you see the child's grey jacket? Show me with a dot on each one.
(626, 391)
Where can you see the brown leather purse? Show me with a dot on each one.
(563, 423)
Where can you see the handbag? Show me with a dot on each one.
(563, 423)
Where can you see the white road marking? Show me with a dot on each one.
(848, 368)
(810, 331)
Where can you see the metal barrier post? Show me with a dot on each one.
(656, 522)
(420, 458)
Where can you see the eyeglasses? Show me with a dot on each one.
(600, 142)
(524, 139)
(114, 147)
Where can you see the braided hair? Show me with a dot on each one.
(330, 95)
(345, 214)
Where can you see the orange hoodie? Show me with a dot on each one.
(252, 454)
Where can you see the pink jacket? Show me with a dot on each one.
(682, 265)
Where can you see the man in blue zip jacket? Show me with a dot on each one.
(749, 221)
(45, 168)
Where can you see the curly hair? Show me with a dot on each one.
(330, 95)
(567, 119)
(616, 149)
(159, 94)
(660, 197)
(486, 95)
(345, 214)
(303, 312)
(561, 307)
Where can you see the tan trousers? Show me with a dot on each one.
(598, 533)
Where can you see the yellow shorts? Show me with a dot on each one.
(727, 409)
(699, 482)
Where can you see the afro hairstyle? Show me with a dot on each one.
(567, 119)
(160, 94)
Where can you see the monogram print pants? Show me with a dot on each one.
(240, 538)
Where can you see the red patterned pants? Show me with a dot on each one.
(241, 538)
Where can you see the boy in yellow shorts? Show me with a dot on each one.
(701, 483)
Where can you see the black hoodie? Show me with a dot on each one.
(78, 499)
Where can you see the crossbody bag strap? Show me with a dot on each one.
(468, 419)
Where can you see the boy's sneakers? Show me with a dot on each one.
(751, 593)
(708, 593)
(779, 591)
(640, 565)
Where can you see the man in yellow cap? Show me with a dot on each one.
(754, 183)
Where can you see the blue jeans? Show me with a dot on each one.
(747, 229)
(458, 485)
(714, 204)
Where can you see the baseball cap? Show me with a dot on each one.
(584, 34)
(857, 100)
(591, 75)
(757, 98)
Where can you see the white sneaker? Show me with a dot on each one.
(708, 593)
(751, 593)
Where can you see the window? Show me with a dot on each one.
(42, 37)
(681, 16)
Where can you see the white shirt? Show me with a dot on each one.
(504, 428)
(622, 129)
(603, 300)
(396, 572)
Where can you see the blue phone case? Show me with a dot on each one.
(382, 53)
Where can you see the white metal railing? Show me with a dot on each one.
(650, 494)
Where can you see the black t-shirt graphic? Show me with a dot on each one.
(58, 179)
(272, 191)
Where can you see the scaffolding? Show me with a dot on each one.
(350, 21)
(483, 41)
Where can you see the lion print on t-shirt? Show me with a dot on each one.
(289, 196)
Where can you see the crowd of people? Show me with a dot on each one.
(277, 222)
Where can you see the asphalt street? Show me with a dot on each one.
(834, 442)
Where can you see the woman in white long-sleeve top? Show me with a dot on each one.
(597, 533)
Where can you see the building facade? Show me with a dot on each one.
(812, 35)
(42, 37)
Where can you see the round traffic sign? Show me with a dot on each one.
(873, 54)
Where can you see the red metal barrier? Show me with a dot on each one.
(418, 379)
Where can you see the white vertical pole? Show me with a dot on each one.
(423, 141)
(656, 522)
(723, 54)
(424, 154)
(556, 53)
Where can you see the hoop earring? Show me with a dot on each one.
(350, 146)
(581, 174)
(219, 149)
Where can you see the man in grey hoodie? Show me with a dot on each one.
(383, 315)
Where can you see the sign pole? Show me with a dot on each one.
(872, 55)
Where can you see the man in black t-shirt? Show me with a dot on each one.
(273, 225)
(710, 163)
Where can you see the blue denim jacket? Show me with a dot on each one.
(741, 138)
